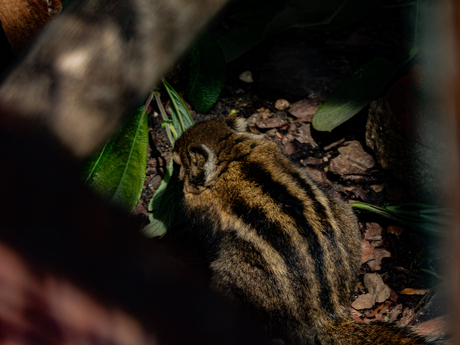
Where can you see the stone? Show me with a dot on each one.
(246, 77)
(282, 104)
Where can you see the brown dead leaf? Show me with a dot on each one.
(356, 315)
(365, 301)
(393, 296)
(379, 253)
(407, 315)
(272, 122)
(395, 230)
(367, 252)
(410, 291)
(375, 285)
(352, 160)
(373, 231)
(375, 311)
(304, 135)
(393, 314)
(305, 109)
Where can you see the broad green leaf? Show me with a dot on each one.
(117, 172)
(262, 22)
(207, 74)
(182, 120)
(353, 94)
(166, 206)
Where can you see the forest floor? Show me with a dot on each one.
(278, 87)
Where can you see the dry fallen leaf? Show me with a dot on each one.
(410, 291)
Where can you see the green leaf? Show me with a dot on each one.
(165, 205)
(425, 218)
(117, 172)
(207, 74)
(264, 21)
(353, 94)
(182, 120)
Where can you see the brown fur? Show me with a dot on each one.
(281, 246)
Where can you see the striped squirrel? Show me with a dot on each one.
(88, 69)
(279, 245)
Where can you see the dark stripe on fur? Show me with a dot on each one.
(294, 208)
(342, 278)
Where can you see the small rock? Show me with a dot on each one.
(377, 187)
(272, 122)
(365, 301)
(282, 104)
(304, 135)
(375, 285)
(246, 77)
(305, 109)
(393, 314)
(367, 252)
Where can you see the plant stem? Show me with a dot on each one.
(165, 118)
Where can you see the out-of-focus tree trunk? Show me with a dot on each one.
(22, 20)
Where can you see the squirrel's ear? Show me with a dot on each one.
(202, 167)
(238, 124)
(176, 159)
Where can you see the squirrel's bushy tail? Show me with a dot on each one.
(346, 331)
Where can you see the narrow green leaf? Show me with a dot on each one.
(182, 120)
(409, 218)
(117, 172)
(353, 94)
(207, 74)
(165, 204)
